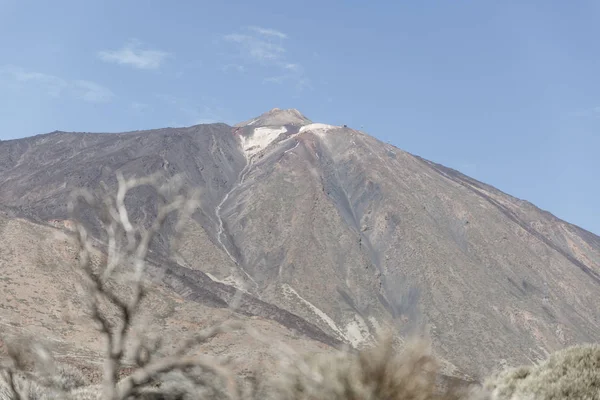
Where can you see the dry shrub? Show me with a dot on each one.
(378, 373)
(572, 373)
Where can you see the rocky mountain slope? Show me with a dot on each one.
(336, 235)
(41, 299)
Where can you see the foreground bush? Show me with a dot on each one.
(374, 374)
(573, 373)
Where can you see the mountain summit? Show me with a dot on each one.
(337, 236)
(279, 117)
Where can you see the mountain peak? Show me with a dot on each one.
(278, 117)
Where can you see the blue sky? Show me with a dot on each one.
(506, 92)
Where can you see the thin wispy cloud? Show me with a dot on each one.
(293, 73)
(50, 84)
(275, 79)
(55, 86)
(293, 67)
(132, 55)
(234, 67)
(256, 47)
(268, 32)
(266, 48)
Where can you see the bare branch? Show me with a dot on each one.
(17, 392)
(116, 220)
(208, 333)
(143, 375)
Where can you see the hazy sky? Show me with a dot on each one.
(507, 92)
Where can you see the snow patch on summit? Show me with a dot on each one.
(317, 128)
(260, 139)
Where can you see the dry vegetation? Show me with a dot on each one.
(135, 366)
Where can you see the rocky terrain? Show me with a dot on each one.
(332, 234)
